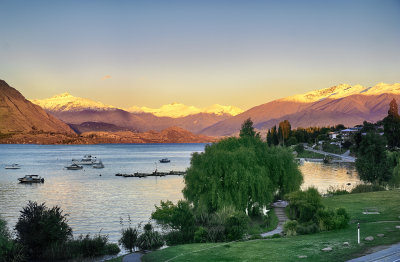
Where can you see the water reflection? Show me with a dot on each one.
(323, 176)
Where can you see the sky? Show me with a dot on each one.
(241, 53)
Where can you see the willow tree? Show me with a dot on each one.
(241, 172)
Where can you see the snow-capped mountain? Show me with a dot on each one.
(176, 110)
(344, 90)
(68, 103)
(341, 104)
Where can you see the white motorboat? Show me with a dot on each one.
(74, 166)
(31, 179)
(98, 165)
(86, 160)
(13, 166)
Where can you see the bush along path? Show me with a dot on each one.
(279, 208)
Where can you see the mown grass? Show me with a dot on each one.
(289, 248)
(257, 225)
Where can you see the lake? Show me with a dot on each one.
(97, 203)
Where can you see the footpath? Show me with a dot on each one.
(279, 208)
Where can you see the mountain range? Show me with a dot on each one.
(341, 104)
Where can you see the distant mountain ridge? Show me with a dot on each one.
(341, 104)
(67, 103)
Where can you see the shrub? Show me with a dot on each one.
(363, 188)
(39, 226)
(9, 249)
(83, 246)
(201, 235)
(304, 204)
(174, 237)
(329, 220)
(176, 217)
(306, 229)
(150, 239)
(129, 238)
(236, 226)
(299, 148)
(290, 227)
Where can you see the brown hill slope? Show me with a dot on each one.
(18, 115)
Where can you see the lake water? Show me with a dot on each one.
(96, 203)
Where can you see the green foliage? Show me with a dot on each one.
(329, 220)
(303, 205)
(299, 148)
(308, 228)
(392, 125)
(240, 172)
(236, 226)
(363, 188)
(290, 227)
(9, 249)
(372, 162)
(201, 235)
(39, 226)
(247, 129)
(330, 148)
(129, 238)
(150, 239)
(83, 246)
(336, 191)
(176, 217)
(395, 180)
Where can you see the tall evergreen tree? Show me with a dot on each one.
(391, 124)
(284, 131)
(247, 129)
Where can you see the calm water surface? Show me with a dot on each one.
(96, 202)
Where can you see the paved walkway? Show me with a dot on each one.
(280, 213)
(345, 157)
(133, 257)
(391, 254)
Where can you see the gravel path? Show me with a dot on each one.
(280, 213)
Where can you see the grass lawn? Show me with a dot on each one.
(117, 259)
(310, 154)
(289, 248)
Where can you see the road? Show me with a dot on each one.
(345, 157)
(391, 254)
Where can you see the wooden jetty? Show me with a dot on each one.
(155, 173)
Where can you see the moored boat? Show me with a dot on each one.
(74, 166)
(86, 160)
(98, 165)
(31, 179)
(164, 160)
(13, 166)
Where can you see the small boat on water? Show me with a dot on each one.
(13, 166)
(74, 166)
(164, 160)
(98, 165)
(31, 179)
(86, 160)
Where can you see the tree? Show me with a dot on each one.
(284, 131)
(391, 125)
(240, 172)
(39, 226)
(372, 162)
(247, 129)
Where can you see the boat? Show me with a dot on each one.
(165, 160)
(74, 166)
(98, 165)
(86, 160)
(31, 179)
(13, 166)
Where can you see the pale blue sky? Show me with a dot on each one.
(241, 53)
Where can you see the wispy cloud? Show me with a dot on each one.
(106, 77)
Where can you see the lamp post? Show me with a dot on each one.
(358, 231)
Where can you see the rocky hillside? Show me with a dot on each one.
(19, 115)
